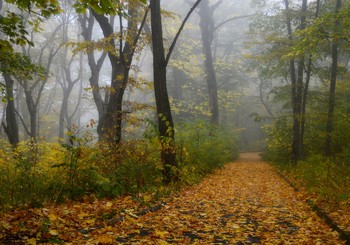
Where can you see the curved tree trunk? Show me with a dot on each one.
(87, 24)
(11, 126)
(207, 27)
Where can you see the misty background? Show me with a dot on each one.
(61, 103)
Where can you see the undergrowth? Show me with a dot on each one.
(328, 180)
(36, 173)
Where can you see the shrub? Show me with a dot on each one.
(202, 149)
(278, 141)
(38, 172)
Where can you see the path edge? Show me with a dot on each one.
(344, 235)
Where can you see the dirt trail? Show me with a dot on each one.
(246, 202)
(249, 157)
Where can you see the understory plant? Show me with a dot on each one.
(37, 172)
(203, 148)
(326, 177)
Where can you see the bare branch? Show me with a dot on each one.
(121, 38)
(23, 123)
(232, 19)
(172, 46)
(139, 31)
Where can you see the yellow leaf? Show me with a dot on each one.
(235, 226)
(52, 217)
(31, 241)
(53, 232)
(90, 221)
(139, 225)
(163, 243)
(109, 204)
(161, 234)
(104, 239)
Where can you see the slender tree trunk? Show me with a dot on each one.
(295, 154)
(160, 62)
(261, 97)
(303, 107)
(87, 24)
(297, 78)
(11, 127)
(64, 117)
(165, 121)
(32, 113)
(306, 90)
(333, 82)
(207, 26)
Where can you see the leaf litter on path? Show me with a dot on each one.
(245, 202)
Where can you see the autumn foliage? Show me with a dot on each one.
(36, 173)
(245, 202)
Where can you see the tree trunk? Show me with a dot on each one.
(305, 91)
(303, 106)
(32, 110)
(87, 24)
(207, 27)
(165, 121)
(64, 117)
(111, 125)
(11, 127)
(297, 77)
(331, 103)
(295, 153)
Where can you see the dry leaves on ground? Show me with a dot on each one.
(246, 202)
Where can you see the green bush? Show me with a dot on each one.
(328, 178)
(278, 141)
(202, 149)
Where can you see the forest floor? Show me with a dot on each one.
(245, 202)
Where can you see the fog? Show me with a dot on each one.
(65, 100)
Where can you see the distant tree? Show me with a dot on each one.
(13, 32)
(69, 70)
(207, 26)
(120, 50)
(33, 87)
(87, 21)
(67, 83)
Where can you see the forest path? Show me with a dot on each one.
(246, 202)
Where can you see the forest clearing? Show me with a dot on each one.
(245, 202)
